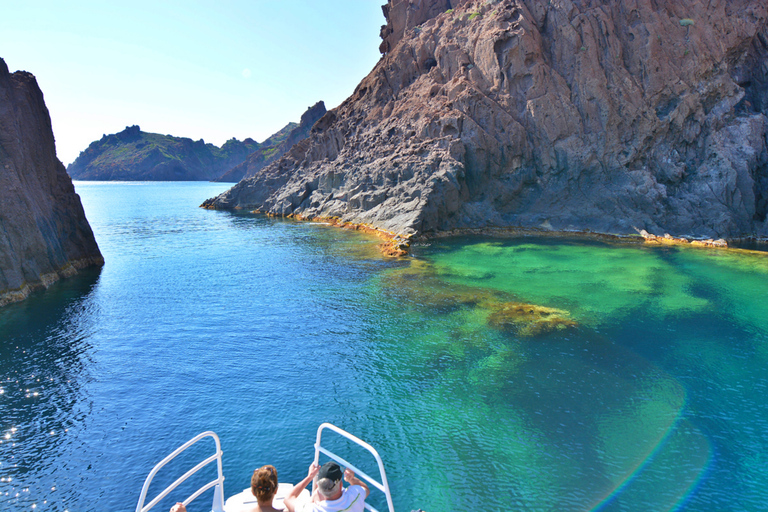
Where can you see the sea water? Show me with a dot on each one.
(497, 374)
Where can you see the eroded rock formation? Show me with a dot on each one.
(610, 116)
(275, 147)
(44, 234)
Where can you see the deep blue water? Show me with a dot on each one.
(652, 397)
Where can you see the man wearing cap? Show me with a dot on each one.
(328, 493)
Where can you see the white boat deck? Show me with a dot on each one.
(245, 500)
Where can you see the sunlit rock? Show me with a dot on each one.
(530, 319)
(568, 116)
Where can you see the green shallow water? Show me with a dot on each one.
(655, 398)
(631, 378)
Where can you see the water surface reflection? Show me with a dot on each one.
(45, 359)
(640, 385)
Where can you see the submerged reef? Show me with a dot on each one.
(420, 284)
(529, 319)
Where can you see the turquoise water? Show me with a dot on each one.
(520, 374)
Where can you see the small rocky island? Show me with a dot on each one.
(44, 234)
(134, 155)
(611, 117)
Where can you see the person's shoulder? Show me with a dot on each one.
(354, 498)
(357, 489)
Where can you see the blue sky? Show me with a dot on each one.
(198, 69)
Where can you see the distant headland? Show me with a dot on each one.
(134, 155)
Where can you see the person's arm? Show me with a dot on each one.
(350, 477)
(290, 500)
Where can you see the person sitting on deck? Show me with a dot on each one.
(328, 493)
(263, 487)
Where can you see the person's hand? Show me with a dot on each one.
(179, 507)
(350, 477)
(313, 470)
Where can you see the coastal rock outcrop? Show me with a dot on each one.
(275, 146)
(134, 155)
(44, 234)
(584, 115)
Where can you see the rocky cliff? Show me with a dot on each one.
(44, 234)
(133, 155)
(610, 116)
(276, 146)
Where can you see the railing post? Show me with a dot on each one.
(218, 497)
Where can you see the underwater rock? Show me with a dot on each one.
(529, 319)
(418, 284)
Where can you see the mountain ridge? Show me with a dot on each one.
(275, 147)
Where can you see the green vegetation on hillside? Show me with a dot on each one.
(136, 155)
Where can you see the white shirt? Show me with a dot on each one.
(352, 500)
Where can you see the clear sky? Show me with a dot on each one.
(198, 69)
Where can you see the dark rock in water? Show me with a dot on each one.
(133, 155)
(276, 146)
(575, 115)
(44, 234)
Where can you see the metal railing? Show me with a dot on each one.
(383, 486)
(218, 483)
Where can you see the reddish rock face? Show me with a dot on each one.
(44, 234)
(607, 116)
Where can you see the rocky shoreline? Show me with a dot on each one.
(399, 245)
(44, 281)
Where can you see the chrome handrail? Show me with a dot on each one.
(218, 483)
(383, 486)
